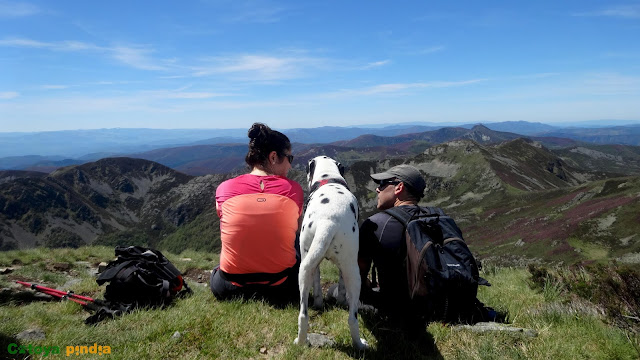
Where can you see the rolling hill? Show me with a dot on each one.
(84, 204)
(515, 200)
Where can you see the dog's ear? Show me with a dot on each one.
(341, 169)
(311, 167)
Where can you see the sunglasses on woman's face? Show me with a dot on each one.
(384, 183)
(290, 158)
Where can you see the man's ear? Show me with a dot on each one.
(398, 189)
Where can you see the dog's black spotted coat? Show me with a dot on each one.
(331, 207)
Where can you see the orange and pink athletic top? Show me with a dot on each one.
(258, 223)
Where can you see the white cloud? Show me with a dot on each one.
(77, 46)
(621, 55)
(398, 87)
(257, 63)
(431, 50)
(8, 95)
(157, 102)
(612, 84)
(20, 42)
(536, 76)
(54, 46)
(135, 56)
(17, 9)
(376, 64)
(259, 16)
(255, 12)
(260, 67)
(54, 87)
(623, 11)
(186, 95)
(565, 87)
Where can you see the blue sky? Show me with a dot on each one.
(225, 64)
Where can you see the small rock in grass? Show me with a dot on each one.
(320, 340)
(31, 334)
(62, 266)
(492, 326)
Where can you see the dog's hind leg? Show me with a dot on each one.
(304, 280)
(341, 296)
(322, 238)
(351, 275)
(317, 289)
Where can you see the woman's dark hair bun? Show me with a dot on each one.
(263, 141)
(258, 129)
(259, 135)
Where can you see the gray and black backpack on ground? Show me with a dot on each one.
(142, 277)
(442, 274)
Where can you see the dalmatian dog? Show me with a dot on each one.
(329, 230)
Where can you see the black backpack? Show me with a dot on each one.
(141, 277)
(442, 274)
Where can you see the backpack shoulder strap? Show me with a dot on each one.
(399, 214)
(435, 211)
(404, 217)
(112, 270)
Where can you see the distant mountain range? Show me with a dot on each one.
(224, 158)
(19, 150)
(515, 198)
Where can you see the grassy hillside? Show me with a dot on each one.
(595, 222)
(567, 326)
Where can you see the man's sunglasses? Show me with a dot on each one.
(383, 184)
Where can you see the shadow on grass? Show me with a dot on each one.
(410, 339)
(398, 342)
(5, 341)
(22, 297)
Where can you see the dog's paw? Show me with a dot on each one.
(317, 303)
(362, 345)
(296, 342)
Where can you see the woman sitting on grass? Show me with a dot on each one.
(259, 216)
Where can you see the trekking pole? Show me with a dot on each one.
(101, 308)
(85, 301)
(64, 297)
(56, 291)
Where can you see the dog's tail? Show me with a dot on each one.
(322, 239)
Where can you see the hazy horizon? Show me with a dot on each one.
(586, 124)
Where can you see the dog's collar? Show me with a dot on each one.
(318, 184)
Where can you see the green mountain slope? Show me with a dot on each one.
(516, 200)
(82, 204)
